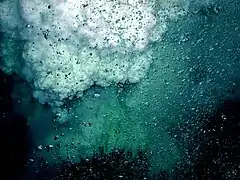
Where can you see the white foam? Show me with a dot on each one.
(75, 44)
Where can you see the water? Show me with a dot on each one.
(168, 125)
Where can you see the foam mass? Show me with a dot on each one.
(72, 45)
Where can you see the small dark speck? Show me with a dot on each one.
(49, 6)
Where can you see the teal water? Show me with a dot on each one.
(194, 69)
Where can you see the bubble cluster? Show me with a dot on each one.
(76, 44)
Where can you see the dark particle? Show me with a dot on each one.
(56, 137)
